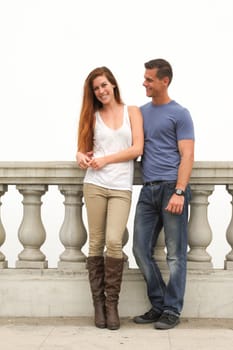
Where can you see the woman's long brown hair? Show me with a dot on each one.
(90, 105)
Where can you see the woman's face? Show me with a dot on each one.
(103, 89)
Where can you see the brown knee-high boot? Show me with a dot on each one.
(113, 278)
(95, 265)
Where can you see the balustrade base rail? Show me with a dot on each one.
(56, 293)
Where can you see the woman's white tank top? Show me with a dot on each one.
(107, 141)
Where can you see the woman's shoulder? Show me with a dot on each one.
(133, 108)
(134, 112)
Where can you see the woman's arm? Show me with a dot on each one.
(133, 151)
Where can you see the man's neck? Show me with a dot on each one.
(161, 100)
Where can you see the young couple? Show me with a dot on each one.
(111, 136)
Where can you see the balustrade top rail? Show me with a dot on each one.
(67, 172)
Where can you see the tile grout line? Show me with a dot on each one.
(169, 340)
(47, 336)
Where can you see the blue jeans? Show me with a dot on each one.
(150, 218)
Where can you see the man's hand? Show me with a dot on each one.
(175, 204)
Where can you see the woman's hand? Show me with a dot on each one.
(98, 163)
(84, 159)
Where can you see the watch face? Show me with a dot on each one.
(179, 192)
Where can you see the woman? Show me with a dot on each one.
(110, 137)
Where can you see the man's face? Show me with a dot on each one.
(154, 86)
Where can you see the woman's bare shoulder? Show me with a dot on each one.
(133, 108)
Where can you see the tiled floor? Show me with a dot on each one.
(79, 333)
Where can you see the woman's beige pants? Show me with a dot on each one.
(107, 215)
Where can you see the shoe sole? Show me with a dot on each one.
(141, 321)
(164, 326)
(144, 322)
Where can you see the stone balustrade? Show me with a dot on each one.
(33, 179)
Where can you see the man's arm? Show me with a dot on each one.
(186, 149)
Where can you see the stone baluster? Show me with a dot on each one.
(31, 232)
(228, 264)
(200, 233)
(73, 234)
(3, 262)
(124, 242)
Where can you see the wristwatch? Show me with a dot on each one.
(179, 192)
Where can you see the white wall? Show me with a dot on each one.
(49, 46)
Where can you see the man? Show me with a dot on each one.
(163, 202)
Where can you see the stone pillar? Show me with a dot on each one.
(124, 242)
(73, 234)
(31, 232)
(3, 262)
(228, 264)
(200, 233)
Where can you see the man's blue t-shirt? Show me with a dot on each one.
(164, 125)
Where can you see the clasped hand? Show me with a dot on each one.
(86, 160)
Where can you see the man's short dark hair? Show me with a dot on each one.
(163, 67)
